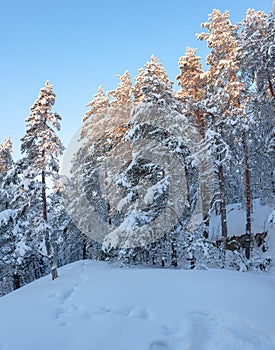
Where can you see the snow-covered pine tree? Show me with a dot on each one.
(84, 184)
(98, 107)
(154, 184)
(42, 149)
(21, 259)
(69, 243)
(257, 51)
(8, 240)
(6, 162)
(222, 97)
(252, 31)
(268, 58)
(120, 108)
(123, 94)
(257, 56)
(153, 70)
(192, 82)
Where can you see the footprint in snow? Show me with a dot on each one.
(215, 331)
(139, 313)
(159, 346)
(59, 315)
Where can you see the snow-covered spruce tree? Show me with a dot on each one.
(42, 148)
(222, 102)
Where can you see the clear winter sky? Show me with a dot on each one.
(78, 45)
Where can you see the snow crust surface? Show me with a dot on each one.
(96, 306)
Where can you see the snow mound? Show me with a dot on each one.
(95, 306)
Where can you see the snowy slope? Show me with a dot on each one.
(262, 220)
(261, 215)
(99, 307)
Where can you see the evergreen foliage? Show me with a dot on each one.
(152, 166)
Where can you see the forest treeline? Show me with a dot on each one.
(153, 164)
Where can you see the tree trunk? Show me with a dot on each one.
(271, 87)
(16, 280)
(222, 208)
(204, 181)
(44, 196)
(84, 249)
(174, 254)
(200, 123)
(46, 232)
(206, 194)
(187, 187)
(247, 197)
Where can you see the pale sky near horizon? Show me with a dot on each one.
(79, 45)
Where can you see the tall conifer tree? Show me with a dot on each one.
(223, 90)
(42, 148)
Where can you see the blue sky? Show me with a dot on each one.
(78, 45)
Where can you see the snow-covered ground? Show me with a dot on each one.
(95, 306)
(99, 307)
